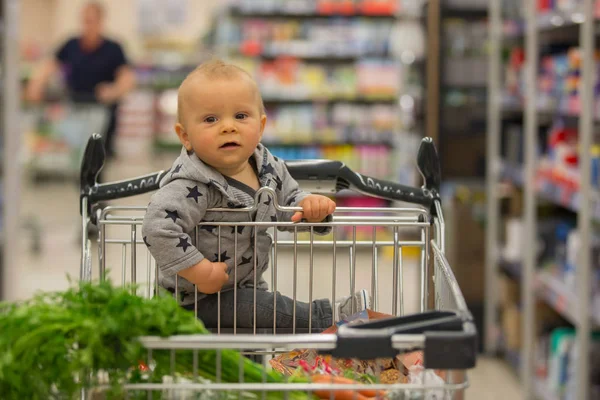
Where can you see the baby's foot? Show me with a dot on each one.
(344, 307)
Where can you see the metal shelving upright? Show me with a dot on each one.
(10, 176)
(582, 321)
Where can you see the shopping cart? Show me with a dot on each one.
(441, 327)
(54, 140)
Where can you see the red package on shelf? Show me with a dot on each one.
(326, 7)
(251, 48)
(379, 7)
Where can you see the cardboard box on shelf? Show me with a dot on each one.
(509, 291)
(546, 319)
(466, 249)
(511, 326)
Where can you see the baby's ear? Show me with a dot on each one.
(183, 136)
(263, 123)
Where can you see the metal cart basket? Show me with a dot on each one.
(54, 136)
(365, 249)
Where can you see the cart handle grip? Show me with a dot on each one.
(323, 171)
(450, 339)
(331, 172)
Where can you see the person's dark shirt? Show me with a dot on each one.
(85, 69)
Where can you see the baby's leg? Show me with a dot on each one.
(322, 313)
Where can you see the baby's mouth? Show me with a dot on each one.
(230, 145)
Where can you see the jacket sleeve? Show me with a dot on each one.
(175, 210)
(291, 195)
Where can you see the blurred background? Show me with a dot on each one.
(361, 81)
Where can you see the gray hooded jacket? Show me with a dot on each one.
(186, 193)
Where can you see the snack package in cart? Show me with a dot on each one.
(405, 368)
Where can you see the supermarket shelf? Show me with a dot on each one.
(556, 295)
(554, 192)
(465, 13)
(312, 14)
(549, 20)
(463, 86)
(287, 99)
(330, 57)
(176, 146)
(271, 143)
(330, 99)
(545, 115)
(550, 23)
(552, 290)
(542, 392)
(564, 301)
(514, 173)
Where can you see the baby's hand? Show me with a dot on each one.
(214, 276)
(315, 208)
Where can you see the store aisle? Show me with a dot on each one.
(55, 209)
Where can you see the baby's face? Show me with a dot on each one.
(221, 121)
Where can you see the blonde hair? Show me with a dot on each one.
(216, 69)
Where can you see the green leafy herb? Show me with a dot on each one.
(55, 344)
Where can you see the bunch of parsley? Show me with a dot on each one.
(56, 344)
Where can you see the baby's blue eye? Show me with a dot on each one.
(210, 120)
(241, 116)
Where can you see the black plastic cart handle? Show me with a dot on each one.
(335, 172)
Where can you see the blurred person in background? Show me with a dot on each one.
(95, 69)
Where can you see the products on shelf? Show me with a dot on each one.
(161, 77)
(319, 7)
(559, 79)
(56, 134)
(135, 128)
(546, 6)
(560, 165)
(339, 123)
(556, 359)
(465, 48)
(289, 78)
(357, 37)
(370, 160)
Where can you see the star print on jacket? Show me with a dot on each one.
(279, 183)
(240, 229)
(268, 169)
(268, 202)
(291, 201)
(273, 218)
(174, 215)
(245, 260)
(176, 169)
(208, 228)
(223, 257)
(146, 241)
(193, 193)
(183, 243)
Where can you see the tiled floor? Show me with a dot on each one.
(54, 209)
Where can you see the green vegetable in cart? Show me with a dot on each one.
(55, 344)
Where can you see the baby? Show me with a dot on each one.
(221, 119)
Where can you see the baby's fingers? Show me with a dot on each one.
(325, 207)
(331, 208)
(310, 209)
(297, 217)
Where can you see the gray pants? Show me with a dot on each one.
(208, 309)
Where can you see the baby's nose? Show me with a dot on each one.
(228, 126)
